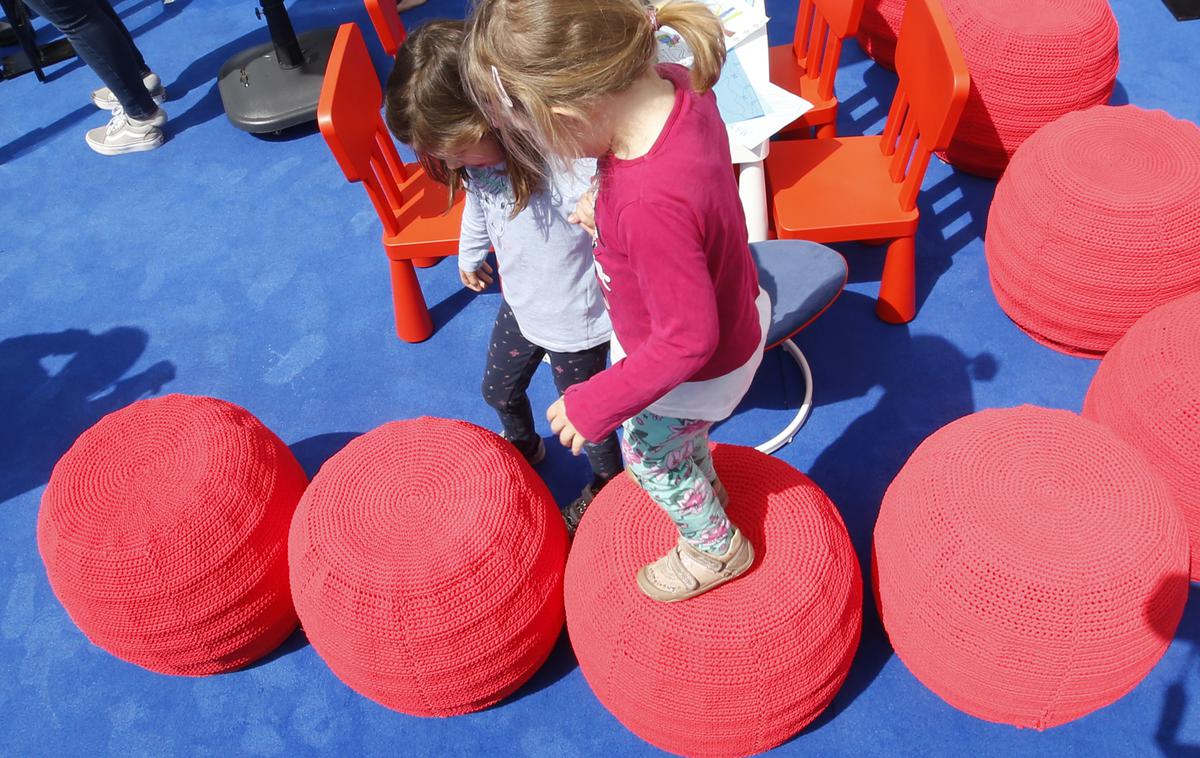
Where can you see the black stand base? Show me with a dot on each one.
(1183, 10)
(17, 64)
(260, 95)
(33, 56)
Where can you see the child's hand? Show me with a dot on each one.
(585, 212)
(568, 435)
(477, 280)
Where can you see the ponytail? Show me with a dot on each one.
(704, 35)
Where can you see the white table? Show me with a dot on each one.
(752, 179)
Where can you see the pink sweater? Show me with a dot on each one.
(674, 266)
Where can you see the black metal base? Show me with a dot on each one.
(17, 64)
(1184, 10)
(261, 96)
(33, 57)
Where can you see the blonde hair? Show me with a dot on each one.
(427, 108)
(526, 62)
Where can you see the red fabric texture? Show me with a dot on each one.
(743, 667)
(1095, 223)
(427, 561)
(1031, 61)
(878, 29)
(1147, 391)
(1030, 566)
(674, 264)
(164, 533)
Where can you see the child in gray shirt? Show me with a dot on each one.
(552, 306)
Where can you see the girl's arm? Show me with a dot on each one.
(666, 253)
(473, 246)
(473, 240)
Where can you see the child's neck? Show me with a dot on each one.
(640, 113)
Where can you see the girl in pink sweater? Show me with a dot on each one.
(571, 80)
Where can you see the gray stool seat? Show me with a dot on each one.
(802, 279)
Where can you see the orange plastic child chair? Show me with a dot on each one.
(807, 67)
(865, 188)
(412, 207)
(386, 20)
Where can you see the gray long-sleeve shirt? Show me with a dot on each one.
(545, 262)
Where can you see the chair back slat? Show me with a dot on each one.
(932, 68)
(898, 168)
(931, 95)
(829, 65)
(349, 118)
(386, 20)
(800, 40)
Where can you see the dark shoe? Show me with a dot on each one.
(535, 455)
(573, 513)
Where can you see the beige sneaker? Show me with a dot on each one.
(686, 571)
(106, 100)
(127, 135)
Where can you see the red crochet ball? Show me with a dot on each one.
(743, 667)
(1031, 61)
(1147, 391)
(164, 529)
(427, 563)
(878, 29)
(1095, 223)
(1030, 567)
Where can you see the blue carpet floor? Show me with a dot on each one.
(247, 268)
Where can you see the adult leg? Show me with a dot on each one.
(511, 363)
(107, 9)
(105, 47)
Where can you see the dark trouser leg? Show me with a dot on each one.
(104, 46)
(106, 7)
(512, 361)
(573, 368)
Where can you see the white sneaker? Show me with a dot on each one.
(106, 100)
(127, 135)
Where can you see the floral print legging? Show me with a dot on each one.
(669, 458)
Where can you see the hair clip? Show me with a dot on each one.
(504, 98)
(652, 12)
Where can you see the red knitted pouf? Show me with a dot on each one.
(743, 667)
(164, 529)
(1147, 391)
(878, 29)
(1031, 61)
(427, 564)
(1030, 566)
(1095, 223)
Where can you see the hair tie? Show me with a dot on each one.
(504, 98)
(652, 12)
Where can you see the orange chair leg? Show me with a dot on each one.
(413, 323)
(826, 131)
(426, 262)
(897, 303)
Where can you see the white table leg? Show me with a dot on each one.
(752, 187)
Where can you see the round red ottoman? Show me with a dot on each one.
(878, 28)
(1147, 391)
(1030, 566)
(164, 534)
(1031, 61)
(1094, 224)
(743, 667)
(427, 564)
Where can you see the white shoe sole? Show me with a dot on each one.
(108, 105)
(138, 147)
